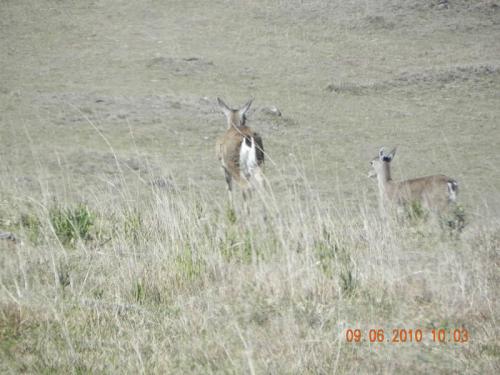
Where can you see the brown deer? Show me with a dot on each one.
(433, 192)
(240, 151)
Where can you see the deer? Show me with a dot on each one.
(241, 152)
(434, 193)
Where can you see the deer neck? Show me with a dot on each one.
(384, 180)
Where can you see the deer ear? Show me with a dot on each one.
(223, 106)
(381, 153)
(392, 153)
(243, 110)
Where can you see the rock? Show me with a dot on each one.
(442, 4)
(271, 110)
(7, 236)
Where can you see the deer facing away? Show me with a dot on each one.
(433, 192)
(240, 152)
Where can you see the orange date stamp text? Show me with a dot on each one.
(404, 335)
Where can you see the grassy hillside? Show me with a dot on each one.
(128, 259)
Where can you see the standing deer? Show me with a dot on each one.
(433, 192)
(240, 151)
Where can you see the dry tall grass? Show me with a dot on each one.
(173, 282)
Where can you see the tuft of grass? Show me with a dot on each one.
(32, 227)
(133, 225)
(188, 266)
(16, 324)
(415, 212)
(72, 224)
(146, 291)
(239, 246)
(326, 256)
(231, 215)
(454, 222)
(138, 291)
(11, 326)
(336, 263)
(63, 275)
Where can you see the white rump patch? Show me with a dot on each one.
(452, 191)
(248, 158)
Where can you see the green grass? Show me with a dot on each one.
(72, 224)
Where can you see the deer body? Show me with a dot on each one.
(240, 151)
(433, 192)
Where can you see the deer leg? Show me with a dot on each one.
(259, 179)
(383, 207)
(229, 182)
(247, 195)
(263, 189)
